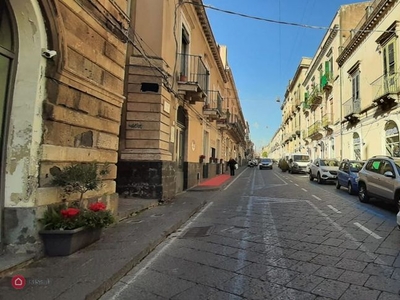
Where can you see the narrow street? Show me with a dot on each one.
(273, 235)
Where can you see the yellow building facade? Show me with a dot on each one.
(182, 119)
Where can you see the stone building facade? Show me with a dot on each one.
(85, 81)
(62, 90)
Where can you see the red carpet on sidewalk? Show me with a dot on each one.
(216, 181)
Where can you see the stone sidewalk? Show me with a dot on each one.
(89, 273)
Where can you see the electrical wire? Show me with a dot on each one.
(280, 22)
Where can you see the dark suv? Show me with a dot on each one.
(380, 178)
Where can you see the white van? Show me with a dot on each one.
(298, 163)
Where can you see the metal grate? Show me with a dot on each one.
(198, 232)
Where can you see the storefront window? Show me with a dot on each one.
(392, 139)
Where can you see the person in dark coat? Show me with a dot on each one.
(232, 164)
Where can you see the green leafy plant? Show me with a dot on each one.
(79, 178)
(283, 165)
(65, 217)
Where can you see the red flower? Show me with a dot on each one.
(97, 206)
(70, 212)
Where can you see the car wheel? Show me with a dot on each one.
(290, 171)
(350, 189)
(310, 177)
(363, 194)
(337, 184)
(319, 179)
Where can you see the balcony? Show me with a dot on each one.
(315, 130)
(223, 121)
(386, 90)
(222, 124)
(193, 79)
(327, 81)
(237, 131)
(213, 105)
(327, 121)
(351, 110)
(304, 135)
(315, 98)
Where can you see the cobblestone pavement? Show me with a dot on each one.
(271, 235)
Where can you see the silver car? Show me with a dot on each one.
(380, 178)
(265, 163)
(324, 170)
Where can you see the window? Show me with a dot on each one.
(373, 165)
(392, 139)
(184, 70)
(386, 167)
(389, 58)
(355, 81)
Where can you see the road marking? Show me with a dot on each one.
(281, 178)
(234, 180)
(346, 233)
(291, 180)
(304, 190)
(165, 247)
(318, 198)
(334, 209)
(368, 231)
(296, 184)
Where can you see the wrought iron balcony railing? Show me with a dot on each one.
(192, 70)
(315, 96)
(327, 120)
(385, 85)
(351, 106)
(314, 128)
(213, 101)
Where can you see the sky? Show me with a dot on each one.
(264, 56)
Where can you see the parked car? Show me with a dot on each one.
(324, 170)
(348, 175)
(252, 163)
(265, 163)
(398, 219)
(298, 162)
(380, 178)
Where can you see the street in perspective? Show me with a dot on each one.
(274, 235)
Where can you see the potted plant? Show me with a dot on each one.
(182, 78)
(70, 227)
(201, 158)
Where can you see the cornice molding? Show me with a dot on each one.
(324, 49)
(370, 24)
(205, 24)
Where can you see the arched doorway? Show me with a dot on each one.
(392, 139)
(356, 146)
(8, 48)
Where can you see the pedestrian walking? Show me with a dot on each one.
(232, 166)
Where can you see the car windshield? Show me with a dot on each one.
(356, 166)
(266, 160)
(304, 158)
(329, 163)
